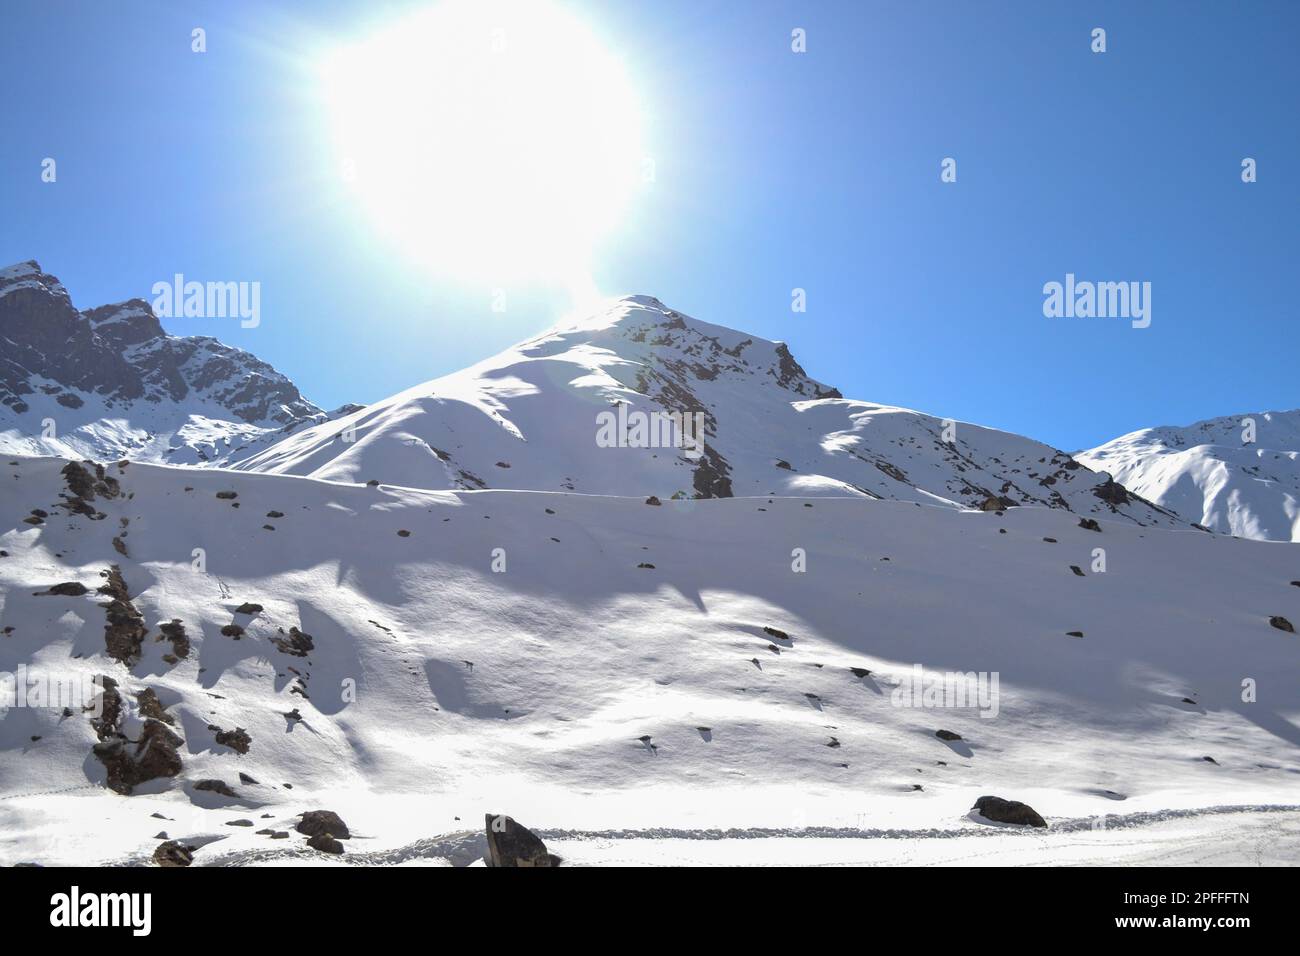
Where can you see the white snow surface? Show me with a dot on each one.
(1209, 474)
(527, 690)
(527, 419)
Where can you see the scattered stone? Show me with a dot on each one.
(66, 589)
(150, 706)
(227, 495)
(245, 778)
(120, 547)
(1282, 624)
(325, 843)
(1077, 570)
(237, 739)
(646, 565)
(217, 787)
(1089, 524)
(653, 500)
(232, 630)
(297, 644)
(1074, 633)
(275, 514)
(239, 823)
(173, 853)
(403, 533)
(174, 631)
(1050, 540)
(1008, 811)
(249, 608)
(947, 735)
(512, 844)
(1210, 760)
(860, 672)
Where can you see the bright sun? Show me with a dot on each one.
(489, 139)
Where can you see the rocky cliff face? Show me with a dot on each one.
(65, 373)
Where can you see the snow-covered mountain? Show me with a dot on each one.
(532, 418)
(1237, 475)
(636, 682)
(109, 383)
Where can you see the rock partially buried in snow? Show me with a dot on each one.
(947, 735)
(653, 500)
(325, 843)
(1089, 524)
(513, 844)
(316, 822)
(173, 853)
(1008, 811)
(1282, 624)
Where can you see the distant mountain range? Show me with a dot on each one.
(115, 386)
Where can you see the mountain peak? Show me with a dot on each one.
(167, 396)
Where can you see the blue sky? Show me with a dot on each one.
(774, 170)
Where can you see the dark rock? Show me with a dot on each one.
(297, 643)
(1008, 811)
(125, 631)
(237, 740)
(325, 843)
(243, 822)
(216, 786)
(860, 672)
(249, 608)
(227, 495)
(154, 756)
(150, 706)
(173, 853)
(315, 822)
(67, 589)
(512, 844)
(776, 633)
(1074, 633)
(653, 500)
(1282, 624)
(232, 630)
(1089, 524)
(174, 631)
(1077, 570)
(403, 533)
(947, 735)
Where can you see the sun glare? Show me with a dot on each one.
(488, 139)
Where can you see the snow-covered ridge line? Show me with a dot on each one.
(1238, 474)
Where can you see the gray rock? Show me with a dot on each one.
(513, 844)
(1008, 811)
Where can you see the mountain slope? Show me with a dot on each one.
(614, 671)
(112, 384)
(1208, 474)
(530, 418)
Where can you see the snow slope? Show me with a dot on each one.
(616, 676)
(109, 383)
(1208, 474)
(529, 419)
